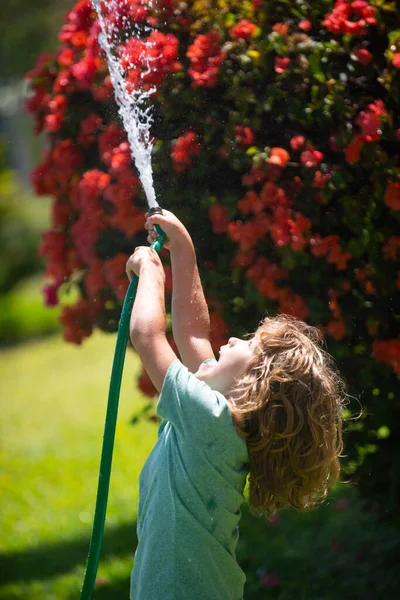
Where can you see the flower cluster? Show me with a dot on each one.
(159, 51)
(205, 57)
(243, 30)
(388, 351)
(91, 202)
(350, 17)
(183, 149)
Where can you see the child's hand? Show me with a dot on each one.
(176, 233)
(143, 257)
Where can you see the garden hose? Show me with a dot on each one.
(109, 427)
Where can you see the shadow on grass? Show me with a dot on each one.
(49, 560)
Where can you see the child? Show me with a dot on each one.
(269, 407)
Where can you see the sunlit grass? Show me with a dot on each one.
(54, 398)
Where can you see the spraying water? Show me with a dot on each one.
(132, 100)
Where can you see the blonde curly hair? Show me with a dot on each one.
(287, 406)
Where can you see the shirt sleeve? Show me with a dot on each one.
(190, 404)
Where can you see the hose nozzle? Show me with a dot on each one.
(155, 210)
(159, 241)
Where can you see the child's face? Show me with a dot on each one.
(233, 360)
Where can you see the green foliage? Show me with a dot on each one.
(26, 29)
(23, 315)
(21, 222)
(339, 551)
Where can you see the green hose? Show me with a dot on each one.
(109, 431)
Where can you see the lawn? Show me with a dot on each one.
(53, 406)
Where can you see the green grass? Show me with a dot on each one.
(54, 397)
(23, 314)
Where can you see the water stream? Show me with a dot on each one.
(133, 102)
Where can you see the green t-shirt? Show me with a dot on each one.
(190, 493)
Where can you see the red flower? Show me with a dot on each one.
(67, 155)
(95, 280)
(84, 71)
(305, 25)
(244, 135)
(320, 246)
(111, 137)
(61, 213)
(391, 247)
(388, 351)
(66, 57)
(77, 321)
(52, 122)
(243, 259)
(273, 196)
(50, 293)
(337, 257)
(311, 157)
(249, 233)
(353, 150)
(332, 144)
(279, 157)
(369, 121)
(265, 274)
(320, 180)
(363, 56)
(298, 227)
(183, 149)
(243, 30)
(219, 333)
(88, 129)
(250, 203)
(280, 28)
(64, 82)
(114, 270)
(160, 51)
(206, 57)
(340, 19)
(281, 64)
(392, 195)
(297, 142)
(330, 247)
(396, 60)
(292, 304)
(123, 188)
(336, 329)
(219, 218)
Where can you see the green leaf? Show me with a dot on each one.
(394, 36)
(383, 432)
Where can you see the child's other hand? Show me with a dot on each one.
(143, 257)
(176, 233)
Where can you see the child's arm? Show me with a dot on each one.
(147, 325)
(190, 317)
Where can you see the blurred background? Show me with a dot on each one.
(53, 405)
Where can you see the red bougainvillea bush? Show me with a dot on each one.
(277, 141)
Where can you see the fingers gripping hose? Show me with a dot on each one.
(109, 427)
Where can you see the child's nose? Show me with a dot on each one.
(232, 341)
